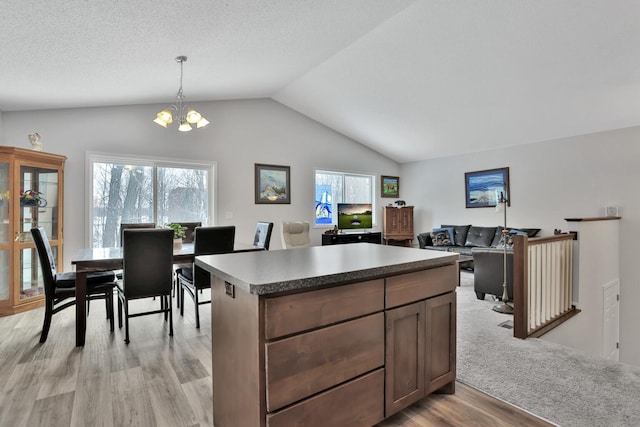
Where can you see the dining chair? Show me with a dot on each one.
(188, 238)
(60, 288)
(127, 226)
(207, 241)
(262, 237)
(147, 271)
(295, 234)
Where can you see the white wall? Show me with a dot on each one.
(550, 181)
(241, 133)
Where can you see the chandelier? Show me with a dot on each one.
(185, 116)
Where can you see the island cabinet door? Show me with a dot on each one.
(441, 343)
(405, 356)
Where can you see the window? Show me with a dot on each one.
(128, 190)
(332, 188)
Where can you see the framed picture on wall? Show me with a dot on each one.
(483, 188)
(390, 186)
(272, 184)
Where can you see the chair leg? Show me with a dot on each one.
(109, 303)
(181, 298)
(48, 314)
(195, 294)
(126, 321)
(170, 320)
(167, 304)
(178, 284)
(119, 311)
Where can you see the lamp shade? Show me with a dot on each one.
(184, 127)
(202, 122)
(160, 122)
(193, 116)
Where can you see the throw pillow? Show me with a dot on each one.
(452, 235)
(441, 238)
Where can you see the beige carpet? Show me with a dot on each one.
(560, 384)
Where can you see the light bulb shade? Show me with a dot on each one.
(202, 122)
(165, 116)
(193, 116)
(184, 127)
(160, 122)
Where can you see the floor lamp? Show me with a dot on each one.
(503, 307)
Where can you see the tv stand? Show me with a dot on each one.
(340, 239)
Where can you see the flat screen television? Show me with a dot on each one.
(354, 216)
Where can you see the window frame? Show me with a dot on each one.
(92, 157)
(374, 200)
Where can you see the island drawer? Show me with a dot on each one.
(358, 402)
(411, 287)
(295, 313)
(303, 365)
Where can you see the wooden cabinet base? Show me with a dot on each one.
(29, 305)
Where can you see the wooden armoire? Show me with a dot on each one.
(398, 226)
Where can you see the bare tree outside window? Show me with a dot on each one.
(125, 193)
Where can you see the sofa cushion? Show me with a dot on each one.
(480, 236)
(531, 232)
(439, 248)
(462, 250)
(460, 233)
(496, 237)
(441, 237)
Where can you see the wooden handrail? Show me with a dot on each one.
(542, 283)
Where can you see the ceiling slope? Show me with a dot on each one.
(412, 79)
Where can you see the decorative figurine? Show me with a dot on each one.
(34, 138)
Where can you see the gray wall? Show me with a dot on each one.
(550, 181)
(241, 133)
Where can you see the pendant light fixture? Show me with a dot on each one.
(185, 116)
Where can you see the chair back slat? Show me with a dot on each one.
(127, 226)
(47, 260)
(147, 262)
(262, 237)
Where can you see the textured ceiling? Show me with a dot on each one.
(412, 79)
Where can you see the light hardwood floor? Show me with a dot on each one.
(157, 380)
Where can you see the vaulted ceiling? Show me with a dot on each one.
(412, 79)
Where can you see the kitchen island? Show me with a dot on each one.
(343, 335)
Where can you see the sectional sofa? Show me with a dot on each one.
(481, 245)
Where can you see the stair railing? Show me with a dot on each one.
(542, 283)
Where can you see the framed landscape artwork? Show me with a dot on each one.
(272, 184)
(483, 188)
(390, 186)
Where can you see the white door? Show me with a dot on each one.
(611, 320)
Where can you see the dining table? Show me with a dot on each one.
(89, 260)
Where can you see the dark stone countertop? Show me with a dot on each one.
(267, 272)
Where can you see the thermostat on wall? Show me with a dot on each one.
(611, 210)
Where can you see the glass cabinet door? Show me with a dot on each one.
(38, 208)
(5, 231)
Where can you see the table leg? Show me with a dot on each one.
(81, 307)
